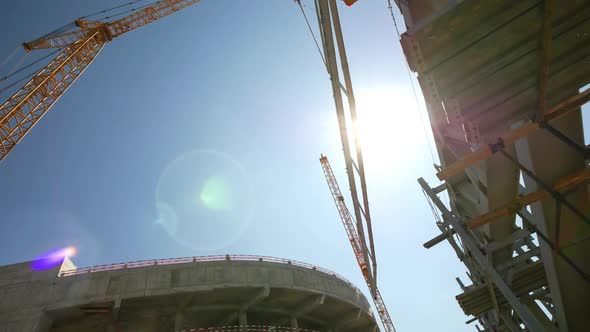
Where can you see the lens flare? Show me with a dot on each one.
(70, 251)
(204, 200)
(216, 193)
(52, 258)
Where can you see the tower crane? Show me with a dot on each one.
(348, 223)
(80, 47)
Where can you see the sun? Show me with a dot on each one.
(389, 128)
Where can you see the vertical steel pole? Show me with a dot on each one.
(332, 64)
(353, 117)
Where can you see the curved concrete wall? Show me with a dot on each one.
(256, 286)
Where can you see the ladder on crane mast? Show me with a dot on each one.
(348, 223)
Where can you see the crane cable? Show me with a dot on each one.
(110, 9)
(317, 45)
(19, 63)
(72, 25)
(29, 65)
(408, 71)
(25, 67)
(131, 10)
(10, 56)
(60, 30)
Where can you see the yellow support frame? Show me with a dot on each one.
(473, 158)
(519, 203)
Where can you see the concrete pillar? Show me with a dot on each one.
(43, 323)
(178, 321)
(113, 327)
(294, 324)
(243, 320)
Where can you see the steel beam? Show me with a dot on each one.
(360, 167)
(327, 32)
(438, 239)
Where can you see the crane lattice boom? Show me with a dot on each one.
(348, 223)
(111, 29)
(80, 47)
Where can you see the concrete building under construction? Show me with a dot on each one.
(212, 293)
(504, 82)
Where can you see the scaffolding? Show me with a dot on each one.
(503, 83)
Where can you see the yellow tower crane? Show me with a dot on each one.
(348, 223)
(80, 47)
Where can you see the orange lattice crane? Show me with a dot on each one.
(80, 47)
(348, 223)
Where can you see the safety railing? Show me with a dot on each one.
(253, 328)
(198, 259)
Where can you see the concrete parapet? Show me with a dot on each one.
(178, 296)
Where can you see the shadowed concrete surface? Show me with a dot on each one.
(179, 296)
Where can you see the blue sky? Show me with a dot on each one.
(229, 94)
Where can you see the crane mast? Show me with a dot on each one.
(348, 223)
(79, 47)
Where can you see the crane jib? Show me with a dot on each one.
(80, 45)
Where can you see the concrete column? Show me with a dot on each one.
(113, 327)
(43, 323)
(178, 321)
(243, 319)
(294, 324)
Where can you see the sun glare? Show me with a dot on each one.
(389, 129)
